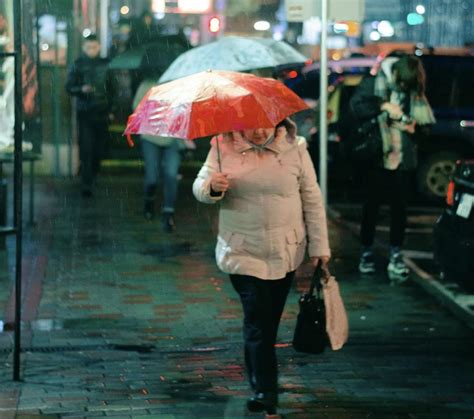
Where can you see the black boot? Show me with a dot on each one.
(168, 222)
(149, 207)
(149, 210)
(263, 402)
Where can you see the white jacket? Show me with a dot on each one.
(273, 205)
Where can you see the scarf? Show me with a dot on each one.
(420, 111)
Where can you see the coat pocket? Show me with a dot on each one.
(294, 237)
(232, 240)
(295, 248)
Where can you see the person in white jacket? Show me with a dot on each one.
(270, 208)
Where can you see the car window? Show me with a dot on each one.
(440, 89)
(464, 83)
(447, 81)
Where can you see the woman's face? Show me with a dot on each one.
(259, 135)
(281, 131)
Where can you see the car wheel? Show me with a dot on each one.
(435, 173)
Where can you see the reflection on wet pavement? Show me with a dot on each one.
(123, 320)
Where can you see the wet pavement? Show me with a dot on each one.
(122, 320)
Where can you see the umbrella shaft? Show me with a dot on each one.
(218, 154)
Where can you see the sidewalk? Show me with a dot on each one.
(123, 321)
(418, 255)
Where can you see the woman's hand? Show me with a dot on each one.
(410, 128)
(323, 259)
(219, 182)
(394, 111)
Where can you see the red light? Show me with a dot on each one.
(214, 24)
(292, 74)
(450, 194)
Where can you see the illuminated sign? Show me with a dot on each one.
(194, 6)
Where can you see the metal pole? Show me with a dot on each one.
(18, 183)
(39, 81)
(323, 102)
(104, 27)
(56, 105)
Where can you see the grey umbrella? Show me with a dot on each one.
(233, 53)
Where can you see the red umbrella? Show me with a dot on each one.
(213, 102)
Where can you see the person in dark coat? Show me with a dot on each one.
(143, 30)
(87, 80)
(395, 103)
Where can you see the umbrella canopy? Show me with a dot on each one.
(233, 53)
(157, 55)
(213, 102)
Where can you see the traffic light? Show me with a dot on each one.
(214, 24)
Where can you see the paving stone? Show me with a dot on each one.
(113, 279)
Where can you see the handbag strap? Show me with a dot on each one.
(318, 274)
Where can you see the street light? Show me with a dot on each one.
(420, 9)
(261, 25)
(415, 19)
(374, 36)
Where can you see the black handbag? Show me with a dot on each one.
(310, 332)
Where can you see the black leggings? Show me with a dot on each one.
(263, 302)
(393, 187)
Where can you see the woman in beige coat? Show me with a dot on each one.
(270, 206)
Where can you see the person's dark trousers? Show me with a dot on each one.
(93, 135)
(263, 302)
(391, 187)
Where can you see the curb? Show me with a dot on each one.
(461, 305)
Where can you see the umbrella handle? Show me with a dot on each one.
(218, 155)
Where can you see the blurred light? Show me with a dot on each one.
(214, 24)
(374, 24)
(158, 6)
(194, 6)
(45, 47)
(261, 25)
(337, 42)
(278, 36)
(418, 52)
(374, 36)
(354, 28)
(385, 28)
(159, 16)
(292, 74)
(124, 10)
(420, 9)
(340, 27)
(86, 32)
(450, 194)
(336, 56)
(415, 19)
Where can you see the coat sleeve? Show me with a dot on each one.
(364, 103)
(74, 82)
(313, 207)
(202, 183)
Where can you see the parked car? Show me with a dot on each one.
(452, 137)
(454, 230)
